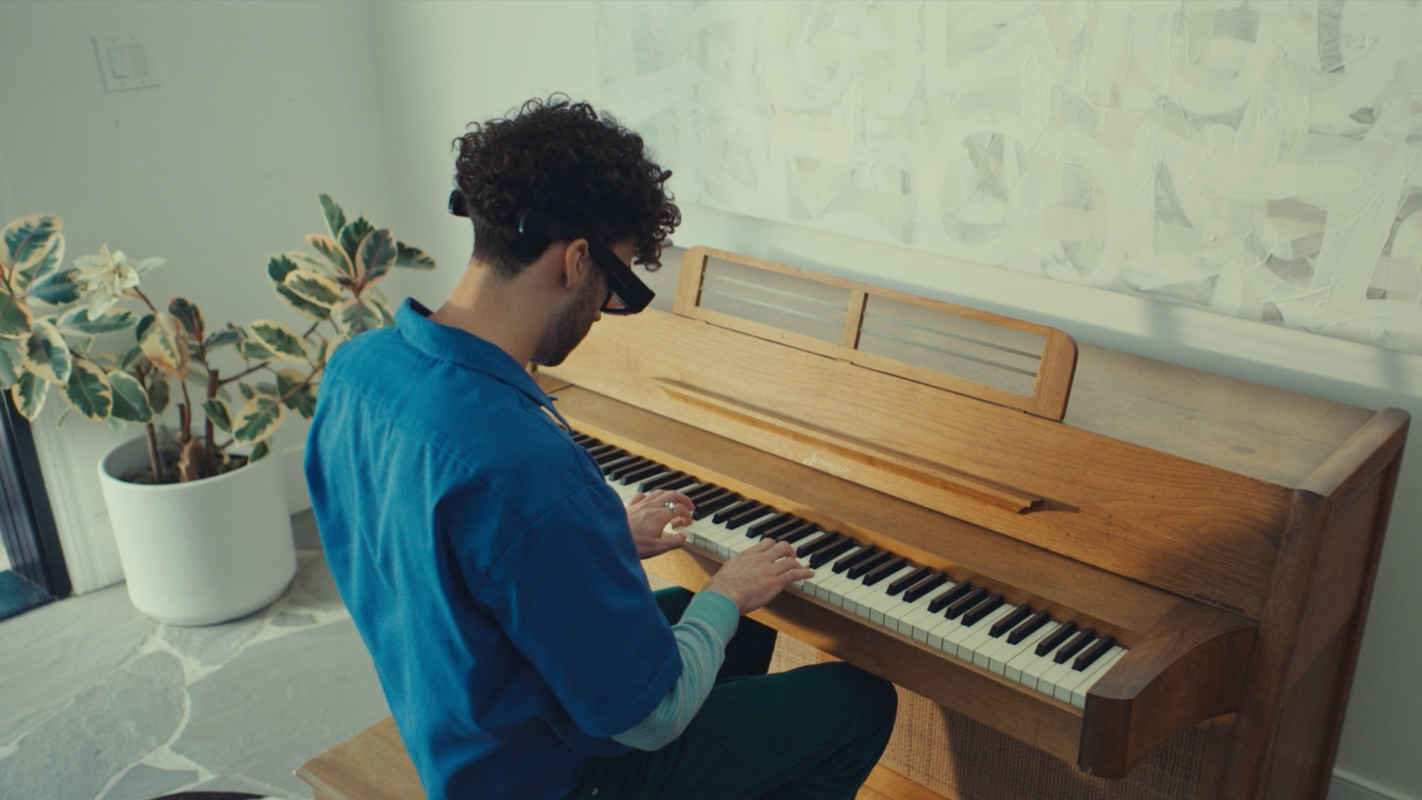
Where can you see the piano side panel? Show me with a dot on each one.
(1186, 527)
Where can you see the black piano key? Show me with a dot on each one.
(951, 596)
(617, 473)
(1093, 652)
(705, 491)
(824, 555)
(731, 510)
(1029, 627)
(823, 540)
(909, 580)
(884, 570)
(613, 453)
(642, 474)
(773, 522)
(855, 559)
(582, 438)
(612, 460)
(965, 603)
(657, 481)
(750, 515)
(862, 568)
(709, 507)
(682, 482)
(797, 532)
(1074, 646)
(772, 528)
(614, 464)
(1010, 621)
(603, 450)
(936, 580)
(987, 606)
(1055, 639)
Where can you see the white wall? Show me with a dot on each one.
(447, 64)
(266, 104)
(261, 107)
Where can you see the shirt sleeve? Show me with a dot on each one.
(706, 626)
(571, 596)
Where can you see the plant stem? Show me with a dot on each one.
(239, 376)
(154, 465)
(144, 298)
(209, 435)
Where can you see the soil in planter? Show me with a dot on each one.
(170, 470)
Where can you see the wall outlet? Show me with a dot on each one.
(123, 63)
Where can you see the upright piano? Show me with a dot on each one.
(1103, 575)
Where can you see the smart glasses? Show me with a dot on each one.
(626, 293)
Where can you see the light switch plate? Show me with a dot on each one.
(123, 63)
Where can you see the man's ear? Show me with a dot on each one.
(576, 262)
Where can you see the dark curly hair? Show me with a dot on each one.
(584, 174)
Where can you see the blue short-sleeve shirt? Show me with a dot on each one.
(487, 566)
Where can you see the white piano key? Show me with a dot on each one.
(1037, 667)
(1094, 673)
(883, 602)
(1051, 680)
(985, 643)
(964, 634)
(903, 617)
(1026, 655)
(978, 635)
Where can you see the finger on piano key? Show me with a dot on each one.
(1026, 654)
(1093, 674)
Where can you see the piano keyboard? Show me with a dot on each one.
(970, 623)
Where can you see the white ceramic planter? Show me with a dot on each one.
(202, 552)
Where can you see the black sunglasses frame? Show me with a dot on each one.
(621, 280)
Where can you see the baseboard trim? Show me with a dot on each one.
(1348, 786)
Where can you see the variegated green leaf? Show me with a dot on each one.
(278, 266)
(298, 392)
(15, 319)
(335, 217)
(334, 253)
(412, 257)
(130, 357)
(130, 401)
(253, 350)
(323, 352)
(78, 320)
(352, 234)
(165, 345)
(29, 395)
(41, 263)
(28, 236)
(247, 391)
(88, 392)
(280, 339)
(223, 338)
(189, 315)
(158, 394)
(375, 256)
(46, 354)
(11, 363)
(314, 287)
(257, 420)
(143, 326)
(355, 316)
(301, 304)
(219, 415)
(57, 289)
(261, 451)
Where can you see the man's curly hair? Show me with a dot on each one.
(585, 174)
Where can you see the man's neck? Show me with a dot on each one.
(496, 310)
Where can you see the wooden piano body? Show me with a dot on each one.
(1226, 533)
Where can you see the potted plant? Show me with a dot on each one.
(197, 510)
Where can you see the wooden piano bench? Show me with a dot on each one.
(373, 765)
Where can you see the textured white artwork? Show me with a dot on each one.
(1258, 159)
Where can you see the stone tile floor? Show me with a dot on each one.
(98, 701)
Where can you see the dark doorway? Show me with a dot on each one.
(36, 573)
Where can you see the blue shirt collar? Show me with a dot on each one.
(461, 347)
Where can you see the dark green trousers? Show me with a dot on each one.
(813, 732)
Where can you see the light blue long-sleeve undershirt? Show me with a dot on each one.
(706, 626)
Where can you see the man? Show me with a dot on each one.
(492, 573)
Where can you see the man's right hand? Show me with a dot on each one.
(755, 576)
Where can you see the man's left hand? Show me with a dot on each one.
(648, 516)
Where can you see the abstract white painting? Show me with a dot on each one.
(1259, 159)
